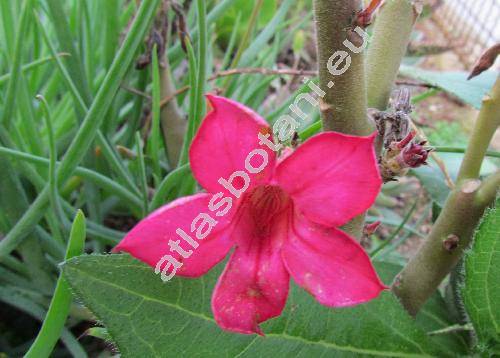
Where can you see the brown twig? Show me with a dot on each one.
(257, 71)
(135, 91)
(263, 71)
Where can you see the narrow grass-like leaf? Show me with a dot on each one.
(154, 140)
(54, 195)
(174, 181)
(202, 62)
(266, 34)
(218, 10)
(98, 179)
(232, 42)
(107, 150)
(32, 65)
(423, 96)
(133, 123)
(142, 174)
(92, 122)
(63, 33)
(393, 246)
(395, 233)
(10, 96)
(14, 298)
(8, 25)
(246, 37)
(59, 306)
(311, 130)
(191, 128)
(111, 12)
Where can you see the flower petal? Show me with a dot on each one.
(330, 265)
(254, 285)
(332, 177)
(149, 240)
(226, 137)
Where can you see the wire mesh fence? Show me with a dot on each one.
(471, 26)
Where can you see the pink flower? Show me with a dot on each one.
(279, 215)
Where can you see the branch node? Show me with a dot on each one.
(451, 243)
(471, 186)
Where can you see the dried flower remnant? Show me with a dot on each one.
(394, 125)
(399, 151)
(486, 61)
(281, 216)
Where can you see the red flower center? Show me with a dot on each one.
(265, 203)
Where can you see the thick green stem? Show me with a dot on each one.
(453, 231)
(486, 125)
(342, 75)
(489, 189)
(391, 35)
(438, 256)
(343, 108)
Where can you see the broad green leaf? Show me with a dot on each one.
(434, 182)
(433, 179)
(470, 92)
(482, 279)
(146, 317)
(433, 316)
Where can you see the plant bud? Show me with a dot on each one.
(401, 156)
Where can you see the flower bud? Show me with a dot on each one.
(415, 155)
(402, 155)
(370, 229)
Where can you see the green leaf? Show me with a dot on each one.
(57, 313)
(433, 179)
(482, 284)
(177, 183)
(146, 317)
(99, 332)
(433, 316)
(470, 92)
(227, 24)
(88, 130)
(434, 182)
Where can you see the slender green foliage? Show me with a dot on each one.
(87, 131)
(61, 301)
